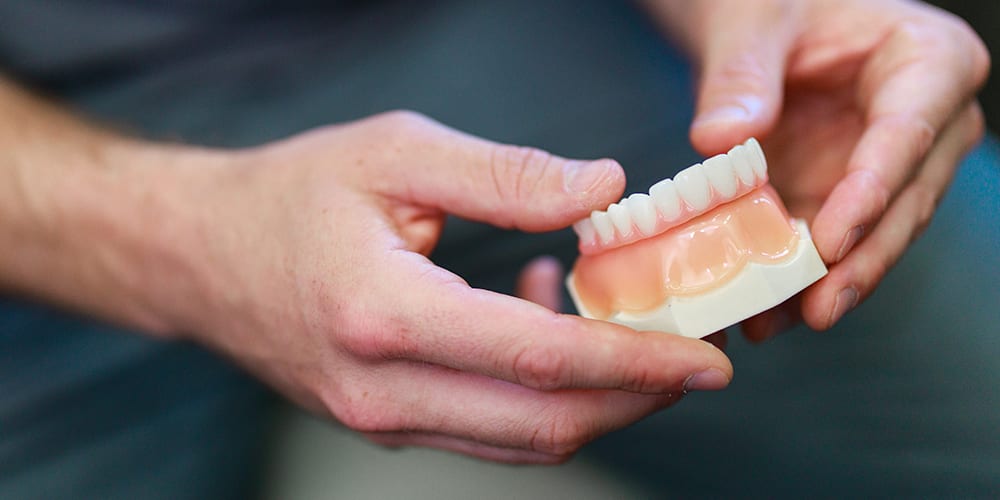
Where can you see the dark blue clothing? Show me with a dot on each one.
(900, 399)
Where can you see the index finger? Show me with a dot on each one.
(442, 320)
(918, 78)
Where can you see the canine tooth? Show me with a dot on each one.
(693, 187)
(719, 170)
(757, 160)
(666, 200)
(640, 206)
(602, 224)
(585, 230)
(618, 213)
(740, 158)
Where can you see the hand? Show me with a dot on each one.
(866, 108)
(318, 281)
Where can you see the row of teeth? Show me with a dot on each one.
(691, 192)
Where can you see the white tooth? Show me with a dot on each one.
(757, 160)
(585, 230)
(719, 170)
(740, 158)
(620, 218)
(602, 223)
(693, 187)
(664, 195)
(643, 212)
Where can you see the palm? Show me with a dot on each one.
(811, 144)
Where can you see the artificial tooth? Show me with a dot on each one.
(640, 206)
(666, 200)
(693, 187)
(739, 156)
(719, 170)
(756, 156)
(585, 230)
(602, 224)
(618, 213)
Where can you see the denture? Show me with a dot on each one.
(701, 252)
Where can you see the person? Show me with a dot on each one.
(292, 233)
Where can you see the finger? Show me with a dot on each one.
(774, 321)
(910, 89)
(463, 446)
(507, 186)
(433, 400)
(541, 281)
(443, 321)
(855, 277)
(718, 339)
(742, 75)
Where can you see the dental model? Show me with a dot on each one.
(701, 252)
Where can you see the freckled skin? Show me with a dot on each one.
(690, 259)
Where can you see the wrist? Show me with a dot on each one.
(100, 224)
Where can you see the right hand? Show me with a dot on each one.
(317, 280)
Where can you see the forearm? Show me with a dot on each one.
(92, 220)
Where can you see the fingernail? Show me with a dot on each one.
(846, 300)
(711, 379)
(740, 109)
(583, 178)
(850, 239)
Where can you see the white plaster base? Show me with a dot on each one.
(756, 289)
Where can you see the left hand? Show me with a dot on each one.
(865, 108)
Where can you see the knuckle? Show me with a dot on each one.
(926, 202)
(977, 127)
(562, 435)
(541, 367)
(396, 131)
(638, 380)
(518, 170)
(981, 61)
(363, 409)
(971, 43)
(367, 417)
(745, 74)
(370, 337)
(402, 119)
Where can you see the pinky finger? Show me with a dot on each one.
(853, 279)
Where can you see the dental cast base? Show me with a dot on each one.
(702, 251)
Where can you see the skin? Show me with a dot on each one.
(865, 109)
(290, 258)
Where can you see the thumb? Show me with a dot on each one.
(743, 60)
(503, 185)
